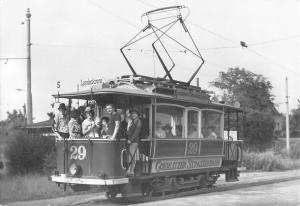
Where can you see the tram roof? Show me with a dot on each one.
(123, 91)
(87, 94)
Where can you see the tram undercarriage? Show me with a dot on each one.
(164, 185)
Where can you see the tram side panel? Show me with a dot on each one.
(90, 158)
(186, 155)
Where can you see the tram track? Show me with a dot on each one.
(217, 188)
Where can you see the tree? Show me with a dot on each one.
(15, 119)
(295, 122)
(253, 91)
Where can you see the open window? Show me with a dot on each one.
(193, 124)
(169, 122)
(211, 124)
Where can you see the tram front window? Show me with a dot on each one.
(169, 122)
(211, 124)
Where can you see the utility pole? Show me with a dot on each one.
(287, 122)
(29, 94)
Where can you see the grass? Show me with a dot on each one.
(280, 147)
(269, 161)
(275, 158)
(27, 188)
(30, 187)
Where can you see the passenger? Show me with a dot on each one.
(74, 125)
(104, 127)
(168, 131)
(82, 117)
(193, 133)
(114, 122)
(128, 119)
(90, 126)
(61, 121)
(179, 131)
(211, 132)
(125, 119)
(134, 129)
(159, 132)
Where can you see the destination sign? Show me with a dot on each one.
(185, 164)
(90, 82)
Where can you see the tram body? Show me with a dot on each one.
(184, 160)
(176, 151)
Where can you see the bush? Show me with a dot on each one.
(26, 153)
(49, 162)
(280, 148)
(258, 131)
(268, 161)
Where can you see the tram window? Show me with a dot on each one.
(192, 124)
(169, 122)
(211, 124)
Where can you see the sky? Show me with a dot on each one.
(75, 40)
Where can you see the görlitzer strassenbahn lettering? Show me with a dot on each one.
(185, 164)
(147, 134)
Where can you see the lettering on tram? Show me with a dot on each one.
(90, 82)
(154, 135)
(169, 165)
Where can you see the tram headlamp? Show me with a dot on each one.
(73, 169)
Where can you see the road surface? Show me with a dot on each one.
(254, 188)
(284, 193)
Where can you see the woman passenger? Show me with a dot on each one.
(104, 127)
(74, 125)
(90, 126)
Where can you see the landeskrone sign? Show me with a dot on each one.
(90, 82)
(185, 164)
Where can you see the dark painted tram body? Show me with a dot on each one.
(185, 157)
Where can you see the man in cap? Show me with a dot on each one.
(61, 121)
(133, 132)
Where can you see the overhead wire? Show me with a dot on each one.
(232, 41)
(211, 32)
(73, 46)
(274, 40)
(113, 14)
(271, 61)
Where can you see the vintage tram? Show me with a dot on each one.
(184, 158)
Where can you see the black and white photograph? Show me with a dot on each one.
(148, 102)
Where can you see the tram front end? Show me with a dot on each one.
(89, 162)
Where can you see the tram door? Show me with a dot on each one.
(145, 139)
